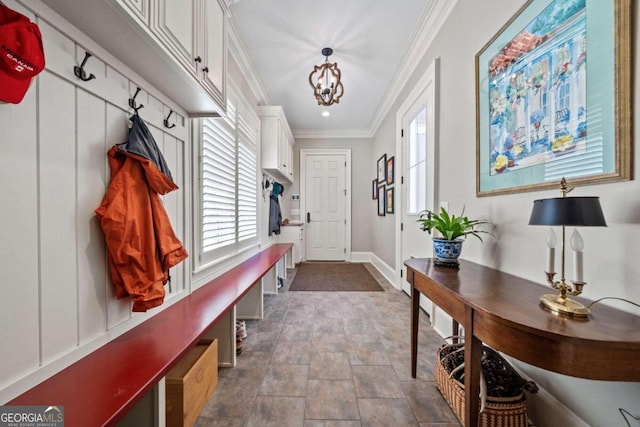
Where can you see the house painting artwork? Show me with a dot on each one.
(537, 90)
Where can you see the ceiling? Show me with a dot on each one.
(370, 39)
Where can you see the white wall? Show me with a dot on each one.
(384, 142)
(611, 267)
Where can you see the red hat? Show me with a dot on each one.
(21, 54)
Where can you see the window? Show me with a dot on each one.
(247, 181)
(417, 163)
(229, 183)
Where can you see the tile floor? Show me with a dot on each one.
(322, 359)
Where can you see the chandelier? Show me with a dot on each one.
(325, 81)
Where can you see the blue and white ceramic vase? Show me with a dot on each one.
(447, 251)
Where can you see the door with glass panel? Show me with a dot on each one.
(418, 138)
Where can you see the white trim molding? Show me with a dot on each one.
(238, 49)
(379, 264)
(430, 24)
(330, 133)
(427, 88)
(384, 269)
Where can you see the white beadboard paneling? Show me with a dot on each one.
(170, 201)
(117, 121)
(59, 51)
(57, 174)
(117, 88)
(92, 305)
(181, 204)
(19, 326)
(178, 220)
(59, 302)
(153, 112)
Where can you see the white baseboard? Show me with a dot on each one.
(361, 256)
(380, 265)
(544, 409)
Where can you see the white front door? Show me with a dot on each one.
(325, 195)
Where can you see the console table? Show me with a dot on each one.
(503, 311)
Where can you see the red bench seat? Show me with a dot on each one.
(102, 387)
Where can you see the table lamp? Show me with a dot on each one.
(566, 211)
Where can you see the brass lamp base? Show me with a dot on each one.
(565, 306)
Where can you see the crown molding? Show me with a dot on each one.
(238, 49)
(429, 25)
(330, 133)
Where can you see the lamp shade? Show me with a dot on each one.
(572, 211)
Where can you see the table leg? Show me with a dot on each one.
(455, 331)
(472, 368)
(415, 311)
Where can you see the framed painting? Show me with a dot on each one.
(374, 189)
(381, 200)
(553, 97)
(390, 200)
(390, 170)
(382, 169)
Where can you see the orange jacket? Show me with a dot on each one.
(141, 243)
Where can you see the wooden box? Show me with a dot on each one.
(190, 384)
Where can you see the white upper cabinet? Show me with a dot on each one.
(214, 47)
(179, 46)
(139, 8)
(194, 32)
(175, 24)
(277, 143)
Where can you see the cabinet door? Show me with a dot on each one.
(290, 158)
(283, 164)
(174, 22)
(213, 44)
(137, 8)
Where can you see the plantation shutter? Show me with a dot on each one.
(218, 183)
(247, 180)
(229, 182)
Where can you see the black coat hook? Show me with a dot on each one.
(166, 121)
(80, 72)
(132, 102)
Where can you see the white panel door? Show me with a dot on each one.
(325, 192)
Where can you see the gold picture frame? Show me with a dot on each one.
(544, 111)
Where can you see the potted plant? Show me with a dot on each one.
(453, 230)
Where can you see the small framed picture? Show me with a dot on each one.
(390, 201)
(381, 200)
(390, 170)
(374, 189)
(382, 169)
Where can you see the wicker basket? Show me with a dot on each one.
(498, 412)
